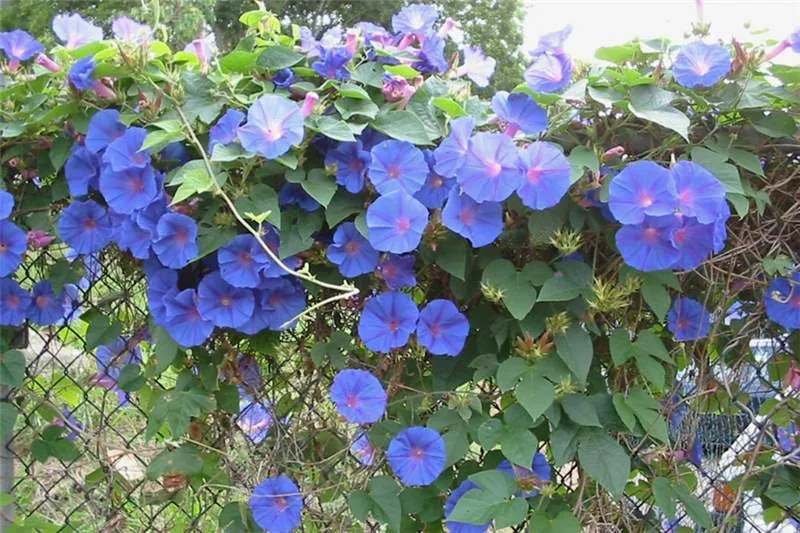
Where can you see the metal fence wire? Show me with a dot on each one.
(81, 452)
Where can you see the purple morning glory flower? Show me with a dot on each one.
(332, 64)
(417, 19)
(452, 151)
(274, 124)
(547, 175)
(435, 189)
(387, 321)
(359, 396)
(104, 128)
(85, 226)
(175, 152)
(647, 246)
(450, 504)
(110, 360)
(250, 372)
(74, 31)
(397, 89)
(688, 320)
(431, 55)
(69, 421)
(6, 204)
(14, 303)
(397, 166)
(363, 450)
(396, 222)
(125, 152)
(520, 112)
(550, 72)
(642, 188)
(130, 31)
(480, 223)
(552, 42)
(720, 231)
(397, 271)
(176, 240)
(696, 452)
(19, 45)
(351, 162)
(417, 455)
(284, 78)
(694, 242)
(255, 418)
(82, 170)
(351, 252)
(442, 329)
(81, 72)
(309, 45)
(282, 301)
(476, 66)
(492, 169)
(700, 193)
(701, 65)
(184, 323)
(161, 283)
(241, 261)
(786, 437)
(225, 130)
(130, 189)
(539, 472)
(782, 301)
(47, 307)
(137, 231)
(295, 194)
(277, 505)
(13, 243)
(223, 304)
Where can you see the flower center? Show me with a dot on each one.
(403, 224)
(467, 216)
(795, 302)
(3, 247)
(393, 325)
(686, 196)
(281, 503)
(437, 182)
(534, 175)
(394, 171)
(645, 200)
(226, 300)
(701, 68)
(192, 314)
(137, 184)
(42, 301)
(351, 401)
(351, 248)
(273, 132)
(493, 168)
(417, 453)
(182, 236)
(651, 235)
(356, 164)
(680, 235)
(245, 258)
(13, 301)
(89, 223)
(275, 299)
(683, 323)
(436, 330)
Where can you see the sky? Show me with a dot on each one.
(606, 22)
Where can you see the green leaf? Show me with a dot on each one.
(342, 205)
(51, 443)
(331, 127)
(580, 410)
(624, 411)
(8, 417)
(452, 255)
(776, 124)
(278, 57)
(519, 446)
(747, 160)
(651, 369)
(564, 442)
(694, 507)
(535, 394)
(319, 186)
(606, 96)
(475, 507)
(402, 70)
(647, 411)
(165, 349)
(604, 459)
(184, 460)
(235, 517)
(575, 348)
(402, 125)
(130, 378)
(238, 61)
(664, 495)
(509, 372)
(12, 368)
(225, 153)
(349, 107)
(360, 504)
(193, 178)
(568, 283)
(657, 298)
(100, 331)
(714, 163)
(386, 494)
(452, 108)
(517, 289)
(649, 343)
(500, 484)
(510, 513)
(176, 409)
(260, 199)
(156, 140)
(564, 522)
(619, 54)
(620, 345)
(581, 158)
(351, 90)
(369, 73)
(652, 103)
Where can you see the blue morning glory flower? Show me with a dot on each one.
(550, 72)
(696, 452)
(82, 170)
(104, 128)
(529, 479)
(647, 246)
(417, 455)
(397, 166)
(274, 124)
(255, 418)
(134, 238)
(480, 223)
(13, 243)
(284, 78)
(110, 360)
(782, 301)
(277, 505)
(241, 261)
(476, 66)
(701, 65)
(720, 230)
(85, 226)
(450, 504)
(19, 45)
(435, 189)
(396, 222)
(452, 151)
(520, 112)
(184, 323)
(431, 55)
(161, 282)
(128, 30)
(69, 421)
(332, 64)
(130, 189)
(351, 162)
(351, 252)
(176, 240)
(282, 300)
(492, 169)
(417, 19)
(225, 130)
(81, 72)
(546, 175)
(14, 303)
(74, 31)
(260, 319)
(787, 437)
(688, 320)
(387, 321)
(125, 151)
(294, 194)
(47, 307)
(642, 188)
(6, 204)
(442, 329)
(694, 242)
(359, 396)
(700, 193)
(175, 152)
(397, 271)
(363, 450)
(223, 304)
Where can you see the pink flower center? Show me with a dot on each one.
(139, 158)
(192, 314)
(686, 196)
(281, 503)
(417, 453)
(493, 168)
(645, 200)
(275, 299)
(534, 175)
(356, 164)
(13, 301)
(136, 184)
(467, 216)
(388, 271)
(42, 301)
(351, 401)
(89, 223)
(351, 248)
(403, 224)
(795, 302)
(226, 300)
(182, 236)
(3, 247)
(701, 68)
(393, 325)
(680, 235)
(436, 330)
(245, 258)
(437, 182)
(651, 235)
(273, 132)
(683, 323)
(394, 171)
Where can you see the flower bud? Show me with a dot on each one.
(309, 102)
